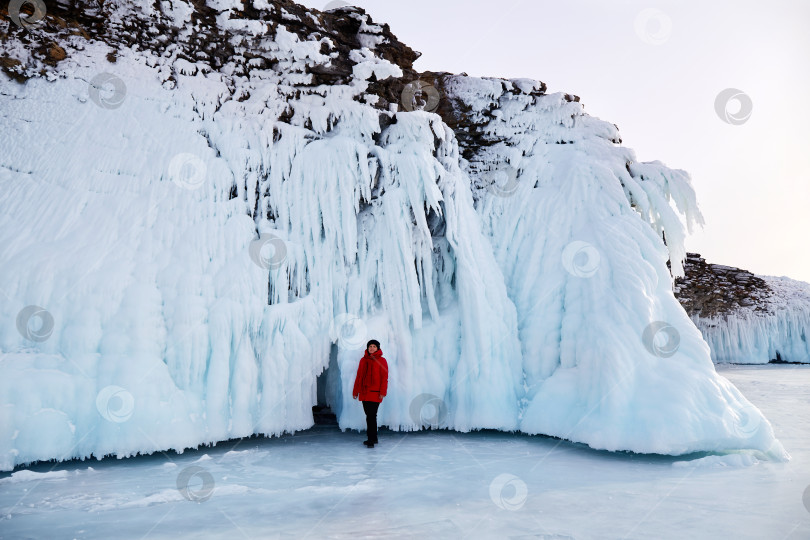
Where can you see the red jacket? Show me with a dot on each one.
(371, 383)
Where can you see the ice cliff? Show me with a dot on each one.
(745, 318)
(206, 205)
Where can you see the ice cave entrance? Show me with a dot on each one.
(324, 412)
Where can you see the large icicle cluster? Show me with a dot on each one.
(182, 262)
(561, 203)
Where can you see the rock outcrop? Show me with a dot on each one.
(711, 290)
(745, 318)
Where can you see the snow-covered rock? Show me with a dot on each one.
(204, 209)
(745, 318)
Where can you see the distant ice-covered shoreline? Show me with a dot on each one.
(749, 336)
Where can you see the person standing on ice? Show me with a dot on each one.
(371, 385)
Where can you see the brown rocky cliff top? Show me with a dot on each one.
(712, 290)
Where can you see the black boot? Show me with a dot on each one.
(369, 444)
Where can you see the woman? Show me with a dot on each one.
(371, 385)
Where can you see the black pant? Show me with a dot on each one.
(370, 407)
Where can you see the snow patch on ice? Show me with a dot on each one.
(30, 476)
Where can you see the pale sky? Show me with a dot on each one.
(655, 69)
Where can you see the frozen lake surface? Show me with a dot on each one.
(323, 483)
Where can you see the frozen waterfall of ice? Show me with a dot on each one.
(179, 267)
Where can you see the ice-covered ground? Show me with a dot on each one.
(322, 483)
